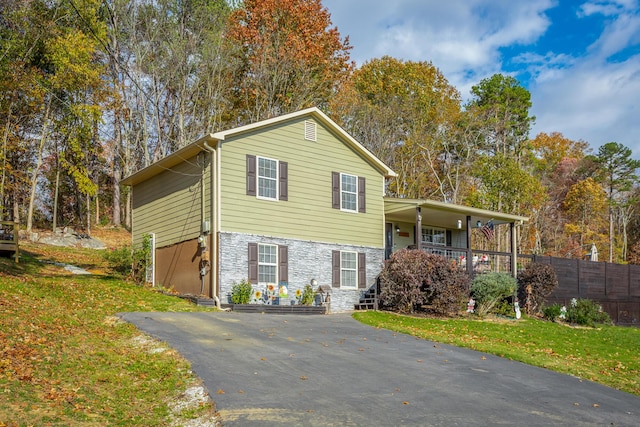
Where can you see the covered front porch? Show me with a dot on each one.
(477, 240)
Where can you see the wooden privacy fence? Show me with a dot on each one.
(616, 287)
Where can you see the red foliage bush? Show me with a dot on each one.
(413, 280)
(541, 280)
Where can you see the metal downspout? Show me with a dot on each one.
(215, 226)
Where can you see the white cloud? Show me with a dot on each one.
(594, 102)
(584, 95)
(587, 96)
(461, 37)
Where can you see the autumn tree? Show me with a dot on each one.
(24, 26)
(617, 173)
(550, 149)
(557, 164)
(288, 57)
(585, 206)
(406, 113)
(167, 66)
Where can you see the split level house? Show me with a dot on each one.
(283, 202)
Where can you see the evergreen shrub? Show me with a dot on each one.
(491, 289)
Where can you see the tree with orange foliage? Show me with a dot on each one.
(288, 57)
(407, 113)
(585, 206)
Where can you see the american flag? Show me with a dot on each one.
(487, 230)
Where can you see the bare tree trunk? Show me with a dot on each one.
(36, 171)
(117, 172)
(16, 208)
(5, 139)
(55, 200)
(610, 234)
(88, 215)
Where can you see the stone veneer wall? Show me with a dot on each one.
(307, 260)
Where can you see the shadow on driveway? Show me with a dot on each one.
(332, 370)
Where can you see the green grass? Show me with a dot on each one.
(608, 355)
(66, 359)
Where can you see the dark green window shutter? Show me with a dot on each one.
(335, 186)
(448, 237)
(362, 270)
(362, 199)
(253, 263)
(335, 269)
(283, 180)
(251, 175)
(283, 264)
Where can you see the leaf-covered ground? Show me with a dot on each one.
(66, 359)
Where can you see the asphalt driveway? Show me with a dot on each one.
(330, 370)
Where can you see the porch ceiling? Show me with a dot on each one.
(444, 215)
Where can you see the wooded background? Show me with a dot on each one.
(94, 90)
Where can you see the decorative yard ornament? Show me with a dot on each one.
(516, 306)
(471, 305)
(593, 256)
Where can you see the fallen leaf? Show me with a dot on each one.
(483, 358)
(419, 360)
(303, 378)
(263, 358)
(241, 391)
(405, 403)
(576, 404)
(220, 391)
(595, 405)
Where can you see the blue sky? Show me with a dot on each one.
(579, 59)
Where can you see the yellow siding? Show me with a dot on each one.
(308, 213)
(169, 204)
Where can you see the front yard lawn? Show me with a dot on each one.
(66, 359)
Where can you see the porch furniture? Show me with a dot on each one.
(9, 238)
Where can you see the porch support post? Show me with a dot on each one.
(418, 235)
(514, 251)
(469, 251)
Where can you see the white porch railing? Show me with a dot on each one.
(481, 261)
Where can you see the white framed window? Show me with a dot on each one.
(348, 269)
(267, 263)
(348, 192)
(434, 236)
(267, 178)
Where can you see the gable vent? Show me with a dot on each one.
(310, 132)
